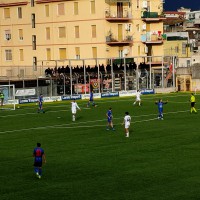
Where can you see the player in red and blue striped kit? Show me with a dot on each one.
(39, 158)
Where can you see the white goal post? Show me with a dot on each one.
(7, 97)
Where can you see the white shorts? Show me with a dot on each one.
(127, 125)
(73, 111)
(138, 99)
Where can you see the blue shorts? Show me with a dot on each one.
(40, 105)
(37, 164)
(160, 110)
(109, 119)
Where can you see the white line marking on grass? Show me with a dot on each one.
(104, 124)
(35, 113)
(67, 126)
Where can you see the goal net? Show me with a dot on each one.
(7, 97)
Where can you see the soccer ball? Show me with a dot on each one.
(18, 107)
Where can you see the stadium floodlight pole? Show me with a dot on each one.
(112, 75)
(137, 76)
(153, 78)
(147, 74)
(63, 83)
(98, 75)
(84, 71)
(162, 73)
(37, 87)
(51, 81)
(150, 75)
(101, 82)
(70, 67)
(173, 72)
(125, 74)
(89, 81)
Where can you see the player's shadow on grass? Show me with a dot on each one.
(79, 117)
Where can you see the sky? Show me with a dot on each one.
(170, 5)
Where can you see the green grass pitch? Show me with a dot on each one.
(159, 161)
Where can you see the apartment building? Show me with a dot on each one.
(45, 32)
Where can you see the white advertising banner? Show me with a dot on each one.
(95, 96)
(52, 99)
(127, 93)
(25, 92)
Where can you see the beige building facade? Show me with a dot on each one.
(50, 32)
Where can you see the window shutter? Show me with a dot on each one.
(61, 9)
(62, 52)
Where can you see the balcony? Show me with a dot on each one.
(155, 60)
(118, 16)
(47, 1)
(152, 38)
(111, 41)
(152, 17)
(117, 1)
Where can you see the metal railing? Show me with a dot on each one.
(116, 75)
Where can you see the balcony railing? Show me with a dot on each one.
(110, 40)
(117, 1)
(152, 38)
(117, 16)
(152, 16)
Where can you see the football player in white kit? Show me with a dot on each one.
(127, 123)
(74, 109)
(138, 99)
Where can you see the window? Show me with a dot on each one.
(176, 49)
(6, 13)
(35, 63)
(48, 36)
(62, 52)
(47, 10)
(76, 31)
(120, 52)
(138, 27)
(92, 7)
(21, 55)
(148, 6)
(94, 52)
(77, 50)
(138, 3)
(138, 50)
(32, 3)
(33, 20)
(8, 54)
(34, 42)
(62, 32)
(61, 9)
(188, 63)
(75, 8)
(183, 48)
(19, 12)
(94, 33)
(21, 34)
(7, 34)
(48, 53)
